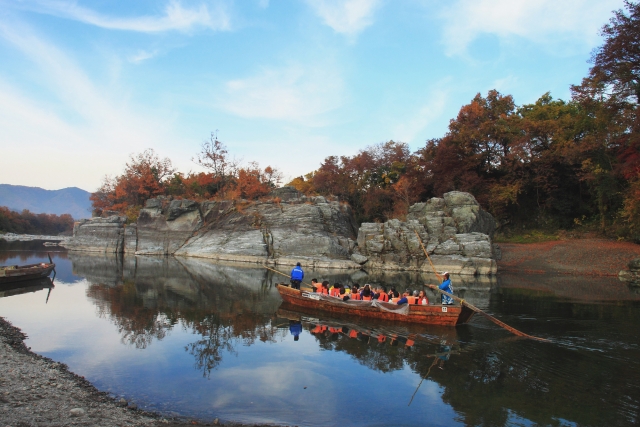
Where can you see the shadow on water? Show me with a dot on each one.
(588, 375)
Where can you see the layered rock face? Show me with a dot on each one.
(454, 230)
(291, 227)
(162, 230)
(295, 228)
(97, 235)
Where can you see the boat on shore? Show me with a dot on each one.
(18, 273)
(437, 314)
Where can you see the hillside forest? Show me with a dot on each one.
(553, 164)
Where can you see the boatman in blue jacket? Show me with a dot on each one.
(296, 276)
(446, 286)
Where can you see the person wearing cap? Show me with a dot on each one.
(296, 276)
(446, 286)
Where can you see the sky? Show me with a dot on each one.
(286, 83)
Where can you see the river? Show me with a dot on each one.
(189, 337)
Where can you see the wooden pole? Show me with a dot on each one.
(472, 307)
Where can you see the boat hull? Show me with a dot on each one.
(26, 272)
(445, 315)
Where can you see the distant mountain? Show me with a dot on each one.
(72, 200)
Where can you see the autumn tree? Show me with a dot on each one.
(143, 178)
(214, 157)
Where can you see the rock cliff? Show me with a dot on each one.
(454, 230)
(291, 227)
(97, 235)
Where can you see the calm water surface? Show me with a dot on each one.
(192, 338)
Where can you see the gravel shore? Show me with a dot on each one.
(37, 391)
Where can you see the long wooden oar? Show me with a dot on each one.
(472, 307)
(286, 275)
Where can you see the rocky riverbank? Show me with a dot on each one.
(37, 391)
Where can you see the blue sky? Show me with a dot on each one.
(84, 84)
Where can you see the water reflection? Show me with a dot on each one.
(260, 359)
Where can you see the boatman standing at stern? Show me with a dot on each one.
(445, 286)
(296, 276)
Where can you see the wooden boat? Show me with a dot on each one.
(19, 273)
(446, 315)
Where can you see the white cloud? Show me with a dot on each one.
(542, 21)
(142, 55)
(345, 16)
(296, 93)
(175, 17)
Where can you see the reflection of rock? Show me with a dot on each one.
(632, 275)
(98, 268)
(454, 229)
(97, 235)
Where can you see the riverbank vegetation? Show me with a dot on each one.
(26, 222)
(550, 165)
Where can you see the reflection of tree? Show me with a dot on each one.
(143, 314)
(216, 339)
(137, 325)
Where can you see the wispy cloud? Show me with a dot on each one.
(176, 16)
(141, 56)
(409, 129)
(345, 16)
(544, 21)
(295, 92)
(73, 125)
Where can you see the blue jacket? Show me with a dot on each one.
(403, 300)
(446, 286)
(297, 273)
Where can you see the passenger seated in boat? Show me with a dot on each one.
(335, 291)
(323, 288)
(381, 295)
(404, 299)
(314, 285)
(422, 298)
(366, 293)
(343, 294)
(412, 297)
(355, 292)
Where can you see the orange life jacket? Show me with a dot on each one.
(319, 329)
(395, 300)
(410, 343)
(335, 292)
(353, 333)
(412, 300)
(335, 330)
(366, 298)
(381, 338)
(355, 296)
(383, 297)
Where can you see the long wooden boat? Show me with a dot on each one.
(19, 273)
(446, 315)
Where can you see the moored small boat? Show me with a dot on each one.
(19, 273)
(446, 315)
